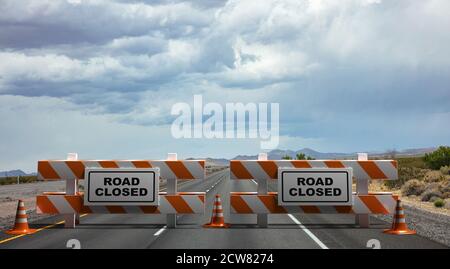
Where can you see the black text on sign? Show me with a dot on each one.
(315, 186)
(122, 186)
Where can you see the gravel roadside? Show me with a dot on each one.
(428, 224)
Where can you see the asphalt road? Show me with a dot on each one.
(148, 231)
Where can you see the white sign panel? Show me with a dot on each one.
(121, 186)
(315, 186)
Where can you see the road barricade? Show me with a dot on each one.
(181, 203)
(254, 203)
(361, 203)
(106, 183)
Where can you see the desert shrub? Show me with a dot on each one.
(405, 173)
(303, 156)
(447, 203)
(413, 187)
(445, 170)
(417, 162)
(433, 186)
(434, 198)
(391, 184)
(445, 189)
(428, 194)
(13, 180)
(438, 158)
(439, 202)
(433, 176)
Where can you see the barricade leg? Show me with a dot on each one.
(362, 187)
(171, 189)
(70, 220)
(262, 219)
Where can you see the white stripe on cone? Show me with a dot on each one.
(21, 220)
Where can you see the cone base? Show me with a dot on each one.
(397, 232)
(217, 225)
(19, 232)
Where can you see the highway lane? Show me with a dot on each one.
(316, 231)
(243, 234)
(340, 231)
(147, 231)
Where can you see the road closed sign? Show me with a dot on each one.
(315, 186)
(121, 186)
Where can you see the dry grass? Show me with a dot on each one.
(414, 171)
(13, 180)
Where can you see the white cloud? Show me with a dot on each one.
(50, 67)
(257, 61)
(48, 128)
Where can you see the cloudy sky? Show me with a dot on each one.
(100, 77)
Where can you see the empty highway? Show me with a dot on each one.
(285, 231)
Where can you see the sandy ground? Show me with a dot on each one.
(9, 194)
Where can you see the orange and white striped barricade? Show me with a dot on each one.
(362, 203)
(254, 203)
(170, 202)
(61, 203)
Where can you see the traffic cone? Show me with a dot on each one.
(398, 222)
(217, 219)
(21, 223)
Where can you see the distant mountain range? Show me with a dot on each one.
(15, 173)
(278, 154)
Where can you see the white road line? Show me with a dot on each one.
(217, 182)
(308, 232)
(160, 231)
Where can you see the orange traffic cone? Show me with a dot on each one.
(21, 223)
(217, 219)
(398, 223)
